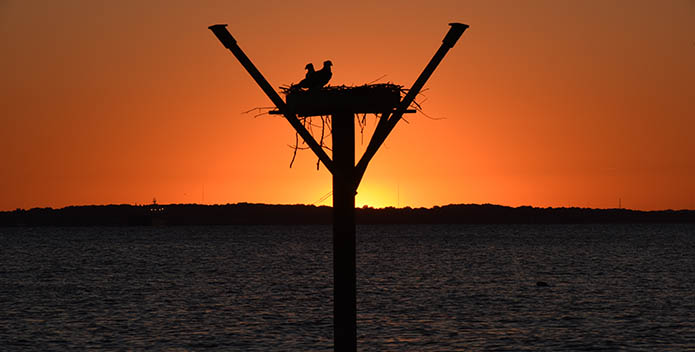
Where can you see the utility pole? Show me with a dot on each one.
(344, 266)
(342, 107)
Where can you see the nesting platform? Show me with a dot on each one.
(369, 99)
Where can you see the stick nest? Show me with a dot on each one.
(366, 88)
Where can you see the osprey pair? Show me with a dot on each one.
(316, 79)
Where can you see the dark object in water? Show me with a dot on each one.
(542, 284)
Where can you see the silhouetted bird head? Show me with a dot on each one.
(327, 63)
(309, 67)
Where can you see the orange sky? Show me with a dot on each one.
(547, 103)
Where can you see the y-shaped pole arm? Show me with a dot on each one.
(229, 42)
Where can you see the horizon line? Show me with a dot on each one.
(330, 206)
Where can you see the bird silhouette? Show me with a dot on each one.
(322, 76)
(309, 78)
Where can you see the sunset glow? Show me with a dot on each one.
(543, 103)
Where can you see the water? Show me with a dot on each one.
(420, 288)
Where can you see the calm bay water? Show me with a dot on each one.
(424, 287)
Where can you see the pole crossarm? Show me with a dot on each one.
(229, 42)
(387, 123)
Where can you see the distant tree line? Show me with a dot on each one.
(251, 214)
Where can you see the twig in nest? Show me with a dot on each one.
(260, 111)
(430, 117)
(323, 125)
(299, 148)
(362, 122)
(296, 146)
(309, 124)
(304, 122)
(377, 79)
(418, 107)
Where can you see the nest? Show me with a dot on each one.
(365, 99)
(315, 108)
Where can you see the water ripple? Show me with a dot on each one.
(425, 288)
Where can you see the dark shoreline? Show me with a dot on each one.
(266, 214)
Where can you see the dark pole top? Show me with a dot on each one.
(454, 33)
(223, 35)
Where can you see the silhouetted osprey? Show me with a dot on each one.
(308, 80)
(323, 75)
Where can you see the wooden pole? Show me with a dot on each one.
(344, 278)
